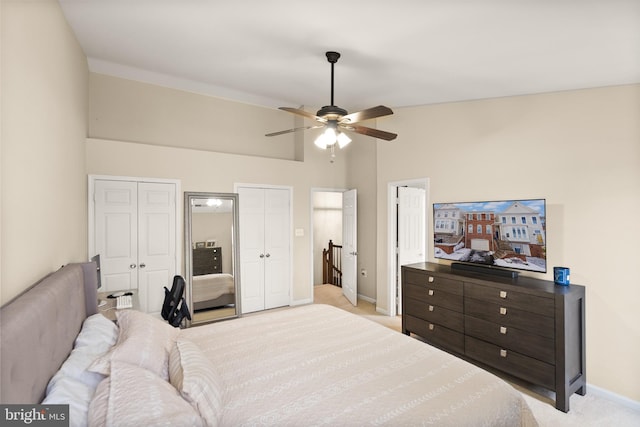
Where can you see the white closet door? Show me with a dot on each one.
(116, 233)
(252, 256)
(277, 248)
(265, 247)
(156, 243)
(135, 234)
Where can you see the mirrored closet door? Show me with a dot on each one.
(211, 256)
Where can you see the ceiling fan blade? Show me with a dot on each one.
(282, 132)
(376, 133)
(303, 113)
(369, 113)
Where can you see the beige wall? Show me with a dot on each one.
(206, 170)
(44, 126)
(361, 175)
(126, 110)
(581, 151)
(218, 172)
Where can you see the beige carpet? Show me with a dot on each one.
(592, 410)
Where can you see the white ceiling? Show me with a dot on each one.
(401, 53)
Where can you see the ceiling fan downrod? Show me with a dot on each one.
(332, 57)
(332, 109)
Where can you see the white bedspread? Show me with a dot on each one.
(319, 365)
(211, 286)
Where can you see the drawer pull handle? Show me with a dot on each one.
(430, 308)
(431, 326)
(503, 310)
(503, 330)
(431, 279)
(503, 353)
(430, 292)
(503, 294)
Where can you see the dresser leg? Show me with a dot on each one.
(562, 399)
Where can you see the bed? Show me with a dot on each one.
(212, 290)
(308, 365)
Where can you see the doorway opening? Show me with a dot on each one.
(326, 207)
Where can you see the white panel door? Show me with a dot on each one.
(350, 246)
(277, 248)
(116, 233)
(265, 247)
(156, 243)
(135, 234)
(251, 214)
(411, 231)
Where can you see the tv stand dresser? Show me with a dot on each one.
(528, 328)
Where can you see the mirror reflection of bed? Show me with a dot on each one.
(213, 289)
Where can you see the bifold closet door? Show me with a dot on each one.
(265, 240)
(135, 236)
(156, 243)
(116, 233)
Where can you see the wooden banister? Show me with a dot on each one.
(332, 264)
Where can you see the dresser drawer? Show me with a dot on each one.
(432, 281)
(510, 297)
(434, 296)
(506, 315)
(511, 362)
(509, 338)
(434, 313)
(435, 334)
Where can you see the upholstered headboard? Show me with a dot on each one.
(38, 329)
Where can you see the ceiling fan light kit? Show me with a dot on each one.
(336, 120)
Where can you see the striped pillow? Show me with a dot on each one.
(195, 377)
(134, 396)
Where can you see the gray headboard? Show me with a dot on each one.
(38, 329)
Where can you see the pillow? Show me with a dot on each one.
(73, 384)
(194, 376)
(143, 341)
(97, 332)
(97, 336)
(72, 392)
(134, 396)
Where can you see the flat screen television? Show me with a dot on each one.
(504, 234)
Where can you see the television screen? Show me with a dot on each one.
(507, 233)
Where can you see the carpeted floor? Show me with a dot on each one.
(592, 410)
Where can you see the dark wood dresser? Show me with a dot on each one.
(207, 261)
(528, 328)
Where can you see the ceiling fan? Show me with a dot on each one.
(337, 119)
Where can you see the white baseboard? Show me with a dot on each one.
(382, 311)
(609, 395)
(367, 299)
(301, 302)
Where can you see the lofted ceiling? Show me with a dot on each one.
(402, 53)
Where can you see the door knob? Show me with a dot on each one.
(132, 266)
(143, 265)
(268, 255)
(261, 255)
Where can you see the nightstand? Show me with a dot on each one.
(109, 309)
